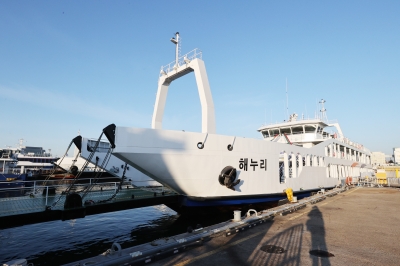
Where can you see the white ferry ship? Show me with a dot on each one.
(209, 169)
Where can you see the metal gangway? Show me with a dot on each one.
(47, 200)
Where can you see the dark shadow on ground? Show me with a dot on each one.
(315, 225)
(290, 240)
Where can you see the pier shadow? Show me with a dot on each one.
(248, 240)
(282, 249)
(303, 243)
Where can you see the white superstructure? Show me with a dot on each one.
(210, 169)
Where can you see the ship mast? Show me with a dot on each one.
(190, 62)
(323, 111)
(176, 42)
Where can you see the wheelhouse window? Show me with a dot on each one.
(309, 128)
(297, 130)
(274, 132)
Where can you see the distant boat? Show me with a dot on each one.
(26, 161)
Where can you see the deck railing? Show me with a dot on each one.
(196, 53)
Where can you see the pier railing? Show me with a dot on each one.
(375, 181)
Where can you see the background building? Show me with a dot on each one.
(378, 158)
(396, 155)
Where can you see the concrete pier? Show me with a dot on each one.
(358, 227)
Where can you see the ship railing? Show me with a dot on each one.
(308, 136)
(347, 141)
(5, 156)
(301, 119)
(195, 53)
(36, 188)
(37, 155)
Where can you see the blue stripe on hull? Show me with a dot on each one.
(240, 201)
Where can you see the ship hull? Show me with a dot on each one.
(175, 159)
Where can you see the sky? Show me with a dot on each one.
(74, 67)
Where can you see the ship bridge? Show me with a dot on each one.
(306, 133)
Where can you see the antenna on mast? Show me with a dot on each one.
(323, 110)
(175, 40)
(287, 102)
(21, 142)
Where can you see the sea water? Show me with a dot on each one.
(60, 242)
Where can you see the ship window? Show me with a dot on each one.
(274, 132)
(102, 146)
(281, 172)
(297, 130)
(265, 134)
(309, 129)
(286, 130)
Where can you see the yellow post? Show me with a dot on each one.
(289, 194)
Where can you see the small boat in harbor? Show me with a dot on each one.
(28, 161)
(11, 182)
(208, 169)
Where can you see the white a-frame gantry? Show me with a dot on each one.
(190, 62)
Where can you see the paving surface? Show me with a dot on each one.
(359, 227)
